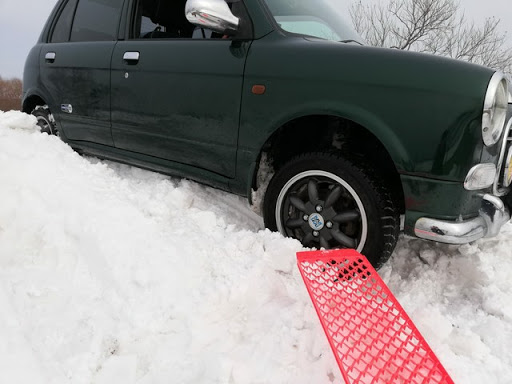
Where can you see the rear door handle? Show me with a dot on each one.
(50, 57)
(131, 57)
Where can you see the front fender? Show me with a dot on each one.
(354, 113)
(425, 110)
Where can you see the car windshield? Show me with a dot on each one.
(324, 19)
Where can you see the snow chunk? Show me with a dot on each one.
(17, 120)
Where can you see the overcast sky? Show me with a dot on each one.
(21, 22)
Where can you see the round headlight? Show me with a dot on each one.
(495, 109)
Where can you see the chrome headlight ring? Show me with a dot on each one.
(509, 78)
(495, 109)
(507, 177)
(501, 184)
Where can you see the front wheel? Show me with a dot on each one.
(327, 201)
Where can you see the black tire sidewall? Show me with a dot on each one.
(44, 113)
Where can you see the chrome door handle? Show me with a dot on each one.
(131, 57)
(50, 57)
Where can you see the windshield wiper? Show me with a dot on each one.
(350, 41)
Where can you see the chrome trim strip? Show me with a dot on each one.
(506, 169)
(492, 216)
(497, 191)
(509, 79)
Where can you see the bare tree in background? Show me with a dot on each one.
(10, 94)
(432, 26)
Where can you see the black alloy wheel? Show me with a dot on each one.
(321, 210)
(326, 201)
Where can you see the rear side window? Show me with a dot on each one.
(96, 20)
(63, 25)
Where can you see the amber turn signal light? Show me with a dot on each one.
(258, 89)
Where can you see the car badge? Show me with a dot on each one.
(67, 108)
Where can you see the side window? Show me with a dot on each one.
(147, 27)
(62, 27)
(164, 19)
(96, 20)
(161, 19)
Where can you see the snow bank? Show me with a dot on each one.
(109, 273)
(17, 120)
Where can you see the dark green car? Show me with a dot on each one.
(280, 101)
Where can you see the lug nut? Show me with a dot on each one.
(316, 233)
(319, 208)
(305, 217)
(328, 224)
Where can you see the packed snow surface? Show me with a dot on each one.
(112, 274)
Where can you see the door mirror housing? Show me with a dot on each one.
(212, 14)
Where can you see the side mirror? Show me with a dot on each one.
(212, 14)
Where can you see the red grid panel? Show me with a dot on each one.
(373, 339)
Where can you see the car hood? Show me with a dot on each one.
(393, 68)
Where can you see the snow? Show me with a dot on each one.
(112, 274)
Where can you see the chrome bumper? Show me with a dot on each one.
(492, 216)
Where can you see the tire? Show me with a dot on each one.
(45, 120)
(324, 200)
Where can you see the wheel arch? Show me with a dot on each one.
(32, 101)
(337, 133)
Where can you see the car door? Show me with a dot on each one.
(75, 67)
(176, 94)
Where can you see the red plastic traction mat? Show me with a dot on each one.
(373, 339)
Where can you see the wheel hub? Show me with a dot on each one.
(316, 222)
